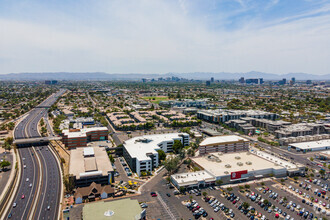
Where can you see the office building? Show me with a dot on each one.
(141, 153)
(73, 138)
(90, 164)
(241, 80)
(254, 81)
(222, 115)
(50, 82)
(224, 144)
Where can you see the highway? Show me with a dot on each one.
(40, 174)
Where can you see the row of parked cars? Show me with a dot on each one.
(196, 209)
(317, 192)
(217, 205)
(291, 206)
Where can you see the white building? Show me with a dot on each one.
(141, 153)
(310, 146)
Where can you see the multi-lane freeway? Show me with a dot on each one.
(39, 190)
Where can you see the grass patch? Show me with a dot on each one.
(155, 99)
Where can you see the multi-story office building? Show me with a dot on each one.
(224, 144)
(90, 164)
(73, 138)
(141, 153)
(221, 115)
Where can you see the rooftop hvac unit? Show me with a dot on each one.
(240, 164)
(237, 157)
(228, 166)
(249, 163)
(226, 172)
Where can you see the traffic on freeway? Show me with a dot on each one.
(38, 193)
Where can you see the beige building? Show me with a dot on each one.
(224, 144)
(90, 164)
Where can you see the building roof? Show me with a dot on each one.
(222, 140)
(192, 178)
(92, 165)
(219, 164)
(82, 132)
(138, 147)
(93, 188)
(123, 209)
(312, 144)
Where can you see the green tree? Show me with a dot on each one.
(177, 146)
(218, 182)
(311, 159)
(112, 160)
(42, 123)
(68, 183)
(247, 186)
(245, 205)
(229, 189)
(204, 194)
(4, 164)
(161, 155)
(171, 164)
(322, 172)
(9, 140)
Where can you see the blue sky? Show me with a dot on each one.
(155, 36)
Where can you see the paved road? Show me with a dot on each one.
(39, 168)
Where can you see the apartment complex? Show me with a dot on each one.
(221, 115)
(90, 164)
(224, 144)
(73, 138)
(303, 129)
(141, 153)
(248, 124)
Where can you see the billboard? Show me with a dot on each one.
(237, 174)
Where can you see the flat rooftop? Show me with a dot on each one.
(80, 165)
(222, 140)
(192, 178)
(276, 160)
(123, 209)
(312, 144)
(82, 132)
(138, 147)
(219, 164)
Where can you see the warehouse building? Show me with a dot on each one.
(141, 153)
(73, 138)
(225, 144)
(310, 146)
(90, 164)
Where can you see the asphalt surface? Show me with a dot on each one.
(37, 161)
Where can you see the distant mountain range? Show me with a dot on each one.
(139, 76)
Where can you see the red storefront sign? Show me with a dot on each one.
(237, 175)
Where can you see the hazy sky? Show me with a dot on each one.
(151, 36)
